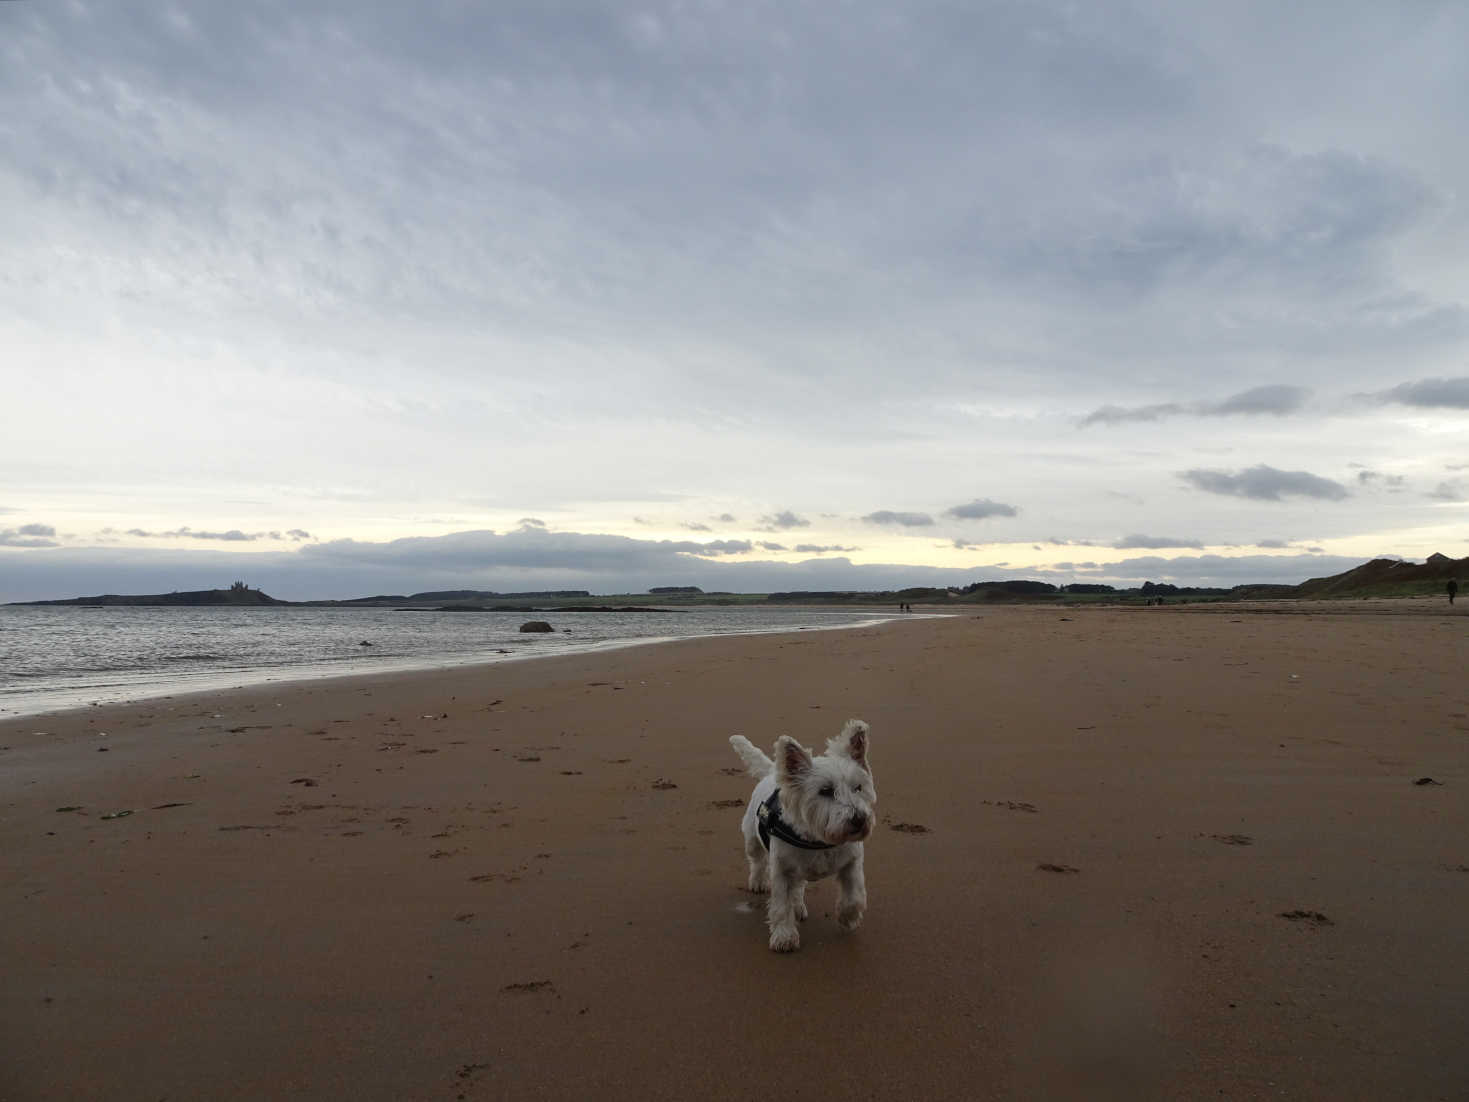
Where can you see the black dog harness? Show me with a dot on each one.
(768, 822)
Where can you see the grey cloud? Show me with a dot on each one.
(1264, 483)
(1155, 542)
(233, 535)
(714, 547)
(820, 549)
(28, 535)
(1281, 544)
(1430, 393)
(1447, 491)
(1278, 400)
(185, 532)
(783, 521)
(905, 520)
(523, 549)
(726, 518)
(766, 545)
(1367, 478)
(694, 526)
(978, 510)
(1117, 415)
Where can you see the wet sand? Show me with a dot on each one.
(1125, 853)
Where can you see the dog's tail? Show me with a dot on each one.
(756, 763)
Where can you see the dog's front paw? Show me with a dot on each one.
(849, 917)
(785, 940)
(760, 885)
(801, 912)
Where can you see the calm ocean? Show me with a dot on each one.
(61, 657)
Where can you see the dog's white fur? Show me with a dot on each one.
(827, 798)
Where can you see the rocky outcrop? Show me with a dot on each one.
(536, 625)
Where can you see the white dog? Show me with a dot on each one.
(806, 821)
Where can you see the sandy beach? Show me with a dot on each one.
(1125, 853)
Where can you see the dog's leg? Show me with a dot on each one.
(852, 904)
(798, 900)
(759, 881)
(784, 937)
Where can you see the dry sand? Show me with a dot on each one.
(1126, 853)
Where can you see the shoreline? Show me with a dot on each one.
(1122, 853)
(58, 700)
(47, 702)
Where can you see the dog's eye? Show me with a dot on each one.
(828, 790)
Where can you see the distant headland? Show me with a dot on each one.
(1376, 578)
(237, 594)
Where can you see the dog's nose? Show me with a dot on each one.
(859, 821)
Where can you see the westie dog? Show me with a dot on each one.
(806, 821)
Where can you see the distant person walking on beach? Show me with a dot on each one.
(1453, 588)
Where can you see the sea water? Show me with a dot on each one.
(54, 657)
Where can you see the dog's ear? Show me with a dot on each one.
(852, 743)
(791, 758)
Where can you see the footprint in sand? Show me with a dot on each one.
(492, 877)
(1310, 918)
(530, 987)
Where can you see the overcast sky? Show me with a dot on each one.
(360, 297)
